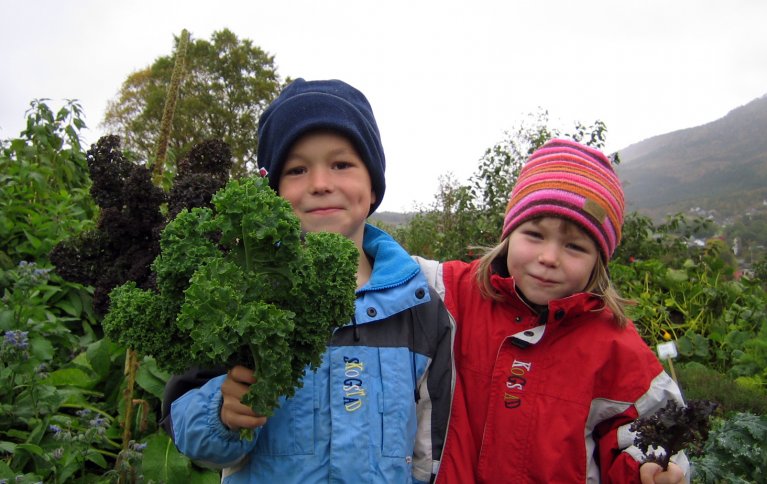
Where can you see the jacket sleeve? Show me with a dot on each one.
(197, 429)
(178, 385)
(620, 458)
(435, 388)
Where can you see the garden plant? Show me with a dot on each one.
(71, 223)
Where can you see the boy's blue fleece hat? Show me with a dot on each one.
(306, 106)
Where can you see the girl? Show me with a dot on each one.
(550, 372)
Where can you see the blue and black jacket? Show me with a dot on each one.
(376, 410)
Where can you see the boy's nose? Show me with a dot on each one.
(320, 181)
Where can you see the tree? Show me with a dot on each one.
(671, 241)
(443, 230)
(227, 85)
(466, 217)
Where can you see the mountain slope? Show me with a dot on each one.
(719, 166)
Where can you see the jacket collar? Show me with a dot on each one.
(392, 266)
(558, 312)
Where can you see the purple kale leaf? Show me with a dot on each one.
(672, 429)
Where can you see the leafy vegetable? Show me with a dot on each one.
(674, 428)
(735, 452)
(238, 285)
(125, 242)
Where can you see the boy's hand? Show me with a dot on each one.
(652, 473)
(234, 414)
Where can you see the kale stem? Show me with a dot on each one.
(248, 434)
(254, 354)
(245, 245)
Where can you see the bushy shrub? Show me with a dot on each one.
(43, 185)
(700, 382)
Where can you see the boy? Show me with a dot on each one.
(376, 409)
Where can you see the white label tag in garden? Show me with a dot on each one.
(667, 350)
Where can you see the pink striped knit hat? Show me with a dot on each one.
(571, 181)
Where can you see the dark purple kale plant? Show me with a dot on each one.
(126, 239)
(674, 428)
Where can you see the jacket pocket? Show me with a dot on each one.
(290, 431)
(396, 402)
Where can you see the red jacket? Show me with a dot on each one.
(544, 398)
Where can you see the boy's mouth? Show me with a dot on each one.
(323, 210)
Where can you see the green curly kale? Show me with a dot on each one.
(238, 285)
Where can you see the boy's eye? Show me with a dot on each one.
(296, 170)
(342, 165)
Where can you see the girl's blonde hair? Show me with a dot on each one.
(599, 283)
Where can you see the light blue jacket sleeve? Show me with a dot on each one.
(198, 431)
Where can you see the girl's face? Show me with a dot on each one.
(328, 185)
(550, 258)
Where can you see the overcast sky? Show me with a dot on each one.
(446, 78)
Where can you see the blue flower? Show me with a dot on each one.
(40, 273)
(54, 428)
(83, 413)
(17, 339)
(98, 422)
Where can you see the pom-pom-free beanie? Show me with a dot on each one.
(574, 182)
(306, 106)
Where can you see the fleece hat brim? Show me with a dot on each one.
(574, 182)
(306, 106)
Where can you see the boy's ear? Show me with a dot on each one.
(373, 197)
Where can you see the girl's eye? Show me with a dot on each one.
(579, 247)
(533, 234)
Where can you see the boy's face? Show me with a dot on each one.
(550, 258)
(328, 185)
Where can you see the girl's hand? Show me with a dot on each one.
(234, 414)
(652, 473)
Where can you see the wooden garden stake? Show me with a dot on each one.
(667, 351)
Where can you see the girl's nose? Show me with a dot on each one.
(549, 256)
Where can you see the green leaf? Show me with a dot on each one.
(151, 378)
(97, 459)
(71, 377)
(7, 447)
(204, 476)
(99, 356)
(6, 472)
(163, 462)
(68, 308)
(34, 241)
(31, 449)
(6, 319)
(41, 348)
